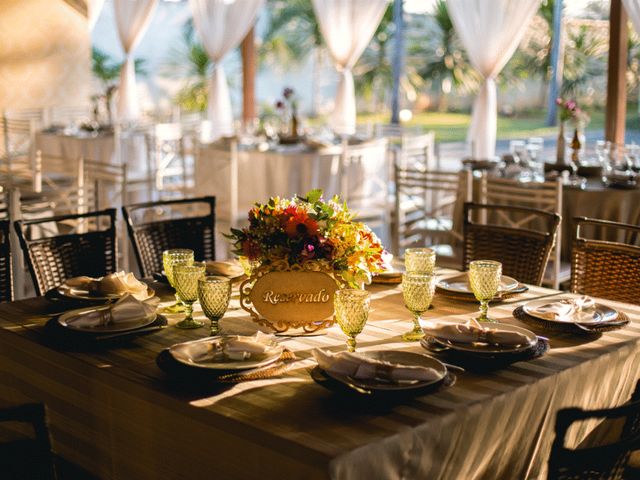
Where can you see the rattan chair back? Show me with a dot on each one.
(86, 246)
(609, 461)
(152, 230)
(6, 271)
(523, 252)
(606, 269)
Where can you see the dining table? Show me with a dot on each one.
(114, 412)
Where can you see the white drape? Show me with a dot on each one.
(221, 25)
(347, 27)
(633, 9)
(94, 7)
(132, 19)
(490, 31)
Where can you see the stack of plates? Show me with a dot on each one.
(458, 287)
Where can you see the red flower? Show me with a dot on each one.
(301, 224)
(250, 249)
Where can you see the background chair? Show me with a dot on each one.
(418, 152)
(86, 245)
(603, 268)
(523, 252)
(6, 270)
(609, 461)
(157, 226)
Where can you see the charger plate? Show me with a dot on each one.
(597, 314)
(491, 349)
(68, 320)
(459, 284)
(73, 293)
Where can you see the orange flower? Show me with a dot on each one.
(301, 224)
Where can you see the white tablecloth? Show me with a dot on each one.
(99, 148)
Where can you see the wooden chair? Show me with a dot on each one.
(6, 270)
(543, 196)
(418, 152)
(85, 246)
(428, 211)
(609, 461)
(607, 269)
(158, 226)
(523, 252)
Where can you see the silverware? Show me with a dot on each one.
(453, 367)
(355, 387)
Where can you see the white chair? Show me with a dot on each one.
(543, 196)
(167, 164)
(418, 151)
(428, 211)
(18, 140)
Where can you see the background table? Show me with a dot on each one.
(98, 147)
(113, 411)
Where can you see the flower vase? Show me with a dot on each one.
(575, 147)
(561, 146)
(294, 124)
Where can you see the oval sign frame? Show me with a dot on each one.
(290, 299)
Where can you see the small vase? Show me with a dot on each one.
(575, 147)
(561, 147)
(294, 124)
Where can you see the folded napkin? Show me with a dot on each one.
(563, 308)
(125, 310)
(229, 268)
(241, 348)
(112, 284)
(365, 368)
(470, 333)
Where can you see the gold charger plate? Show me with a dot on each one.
(68, 319)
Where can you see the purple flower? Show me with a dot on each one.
(288, 92)
(279, 104)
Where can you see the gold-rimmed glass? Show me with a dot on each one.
(419, 260)
(351, 312)
(186, 281)
(171, 258)
(214, 293)
(484, 280)
(417, 291)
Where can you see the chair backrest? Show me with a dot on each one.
(428, 206)
(545, 196)
(85, 246)
(6, 271)
(167, 163)
(606, 269)
(158, 226)
(596, 462)
(364, 174)
(523, 252)
(418, 151)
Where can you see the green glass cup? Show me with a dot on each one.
(417, 291)
(186, 282)
(214, 293)
(484, 280)
(171, 258)
(419, 260)
(351, 313)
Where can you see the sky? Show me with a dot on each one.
(573, 7)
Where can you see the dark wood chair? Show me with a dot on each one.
(6, 272)
(607, 461)
(606, 269)
(523, 252)
(83, 244)
(158, 226)
(25, 448)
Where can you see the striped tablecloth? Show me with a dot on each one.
(114, 412)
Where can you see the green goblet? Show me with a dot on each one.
(484, 279)
(186, 279)
(171, 258)
(352, 311)
(214, 293)
(417, 291)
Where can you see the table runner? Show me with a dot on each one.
(495, 425)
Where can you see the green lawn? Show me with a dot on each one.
(452, 127)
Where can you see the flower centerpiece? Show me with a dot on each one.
(569, 111)
(303, 235)
(288, 106)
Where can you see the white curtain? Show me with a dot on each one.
(633, 9)
(347, 27)
(221, 25)
(132, 19)
(94, 7)
(490, 31)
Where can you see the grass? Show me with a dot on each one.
(452, 127)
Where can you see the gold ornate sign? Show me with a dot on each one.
(290, 299)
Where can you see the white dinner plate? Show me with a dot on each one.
(68, 320)
(460, 284)
(488, 348)
(83, 294)
(400, 358)
(593, 315)
(202, 354)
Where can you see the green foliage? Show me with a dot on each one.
(107, 70)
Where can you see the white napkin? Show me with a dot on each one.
(228, 268)
(564, 308)
(469, 333)
(114, 283)
(365, 368)
(242, 348)
(124, 310)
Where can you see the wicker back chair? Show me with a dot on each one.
(87, 246)
(609, 461)
(152, 230)
(6, 272)
(523, 252)
(603, 268)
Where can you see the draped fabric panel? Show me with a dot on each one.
(347, 27)
(221, 26)
(633, 9)
(94, 7)
(132, 19)
(490, 31)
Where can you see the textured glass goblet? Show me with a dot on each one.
(484, 279)
(171, 258)
(419, 260)
(214, 293)
(417, 291)
(186, 280)
(352, 311)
